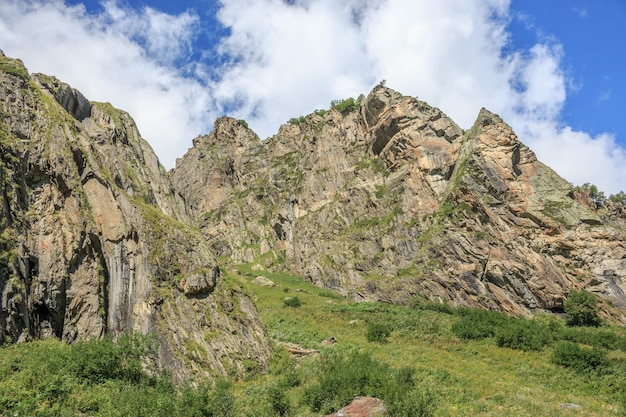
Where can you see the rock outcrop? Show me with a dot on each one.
(383, 202)
(93, 239)
(394, 200)
(362, 407)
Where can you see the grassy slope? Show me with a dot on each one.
(466, 378)
(469, 378)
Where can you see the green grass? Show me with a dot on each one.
(13, 67)
(467, 377)
(425, 363)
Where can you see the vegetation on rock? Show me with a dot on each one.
(345, 106)
(394, 201)
(582, 309)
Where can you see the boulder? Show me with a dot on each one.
(362, 407)
(264, 282)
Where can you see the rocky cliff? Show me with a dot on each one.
(93, 239)
(385, 200)
(392, 199)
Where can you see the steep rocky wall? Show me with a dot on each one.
(395, 200)
(93, 239)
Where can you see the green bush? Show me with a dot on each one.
(345, 376)
(297, 120)
(96, 361)
(377, 332)
(572, 355)
(415, 403)
(477, 323)
(99, 378)
(581, 308)
(278, 401)
(292, 302)
(599, 338)
(523, 334)
(618, 198)
(347, 105)
(221, 401)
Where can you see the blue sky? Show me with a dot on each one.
(554, 70)
(594, 59)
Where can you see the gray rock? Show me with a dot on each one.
(264, 282)
(95, 235)
(395, 199)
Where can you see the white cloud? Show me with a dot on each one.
(604, 96)
(579, 157)
(118, 56)
(582, 12)
(280, 60)
(290, 59)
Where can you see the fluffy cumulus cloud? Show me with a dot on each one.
(279, 59)
(123, 56)
(288, 59)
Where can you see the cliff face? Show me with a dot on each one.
(94, 240)
(394, 199)
(382, 202)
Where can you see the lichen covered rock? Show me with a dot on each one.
(93, 240)
(394, 200)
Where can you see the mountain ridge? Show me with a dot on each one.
(368, 203)
(387, 200)
(95, 241)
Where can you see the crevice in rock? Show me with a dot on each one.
(79, 160)
(103, 279)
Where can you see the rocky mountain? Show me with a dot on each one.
(93, 239)
(383, 198)
(390, 199)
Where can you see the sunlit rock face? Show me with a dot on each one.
(95, 241)
(392, 199)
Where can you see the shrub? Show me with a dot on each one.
(343, 377)
(292, 302)
(347, 105)
(278, 401)
(220, 402)
(477, 323)
(96, 361)
(377, 332)
(572, 355)
(605, 339)
(581, 309)
(618, 198)
(297, 120)
(523, 335)
(415, 403)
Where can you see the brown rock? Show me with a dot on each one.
(362, 407)
(395, 199)
(264, 282)
(92, 234)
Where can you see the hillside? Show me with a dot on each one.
(440, 260)
(388, 198)
(94, 241)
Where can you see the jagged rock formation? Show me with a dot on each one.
(380, 203)
(93, 240)
(394, 200)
